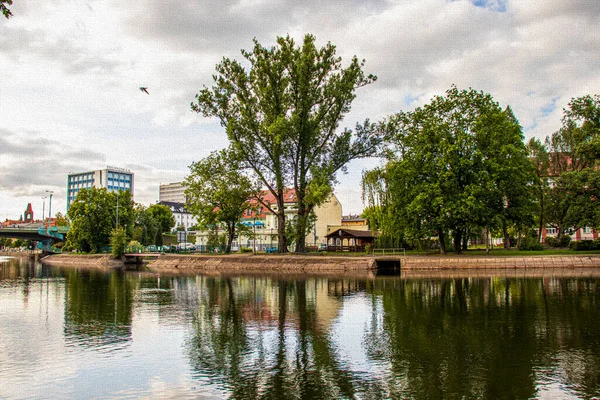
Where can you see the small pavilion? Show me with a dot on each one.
(349, 240)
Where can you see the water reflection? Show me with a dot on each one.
(98, 310)
(419, 337)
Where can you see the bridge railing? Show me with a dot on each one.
(390, 252)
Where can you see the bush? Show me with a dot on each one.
(118, 240)
(530, 243)
(552, 241)
(246, 249)
(564, 240)
(583, 245)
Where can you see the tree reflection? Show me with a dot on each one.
(98, 308)
(243, 348)
(482, 338)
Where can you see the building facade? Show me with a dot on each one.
(172, 193)
(263, 223)
(182, 216)
(111, 178)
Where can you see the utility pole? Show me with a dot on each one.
(117, 219)
(50, 209)
(43, 209)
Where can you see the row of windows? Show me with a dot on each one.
(80, 178)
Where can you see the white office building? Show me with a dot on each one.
(112, 178)
(172, 193)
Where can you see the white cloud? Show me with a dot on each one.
(72, 72)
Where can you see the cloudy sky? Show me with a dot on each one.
(71, 72)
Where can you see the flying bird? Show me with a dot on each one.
(144, 89)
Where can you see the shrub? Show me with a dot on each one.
(246, 250)
(583, 245)
(118, 240)
(564, 240)
(552, 241)
(530, 243)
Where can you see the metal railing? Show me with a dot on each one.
(390, 252)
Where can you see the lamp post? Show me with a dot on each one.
(117, 218)
(50, 209)
(43, 209)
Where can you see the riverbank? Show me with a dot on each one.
(294, 264)
(496, 262)
(82, 260)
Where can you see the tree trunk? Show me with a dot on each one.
(457, 241)
(487, 242)
(465, 242)
(281, 239)
(506, 238)
(442, 239)
(541, 216)
(230, 235)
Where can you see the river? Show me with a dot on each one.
(79, 333)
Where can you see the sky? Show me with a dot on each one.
(71, 72)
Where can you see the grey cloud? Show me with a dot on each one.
(209, 25)
(38, 162)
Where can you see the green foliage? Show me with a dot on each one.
(281, 110)
(118, 240)
(147, 227)
(216, 240)
(574, 152)
(458, 164)
(583, 245)
(164, 218)
(246, 249)
(218, 192)
(530, 243)
(5, 10)
(93, 215)
(61, 220)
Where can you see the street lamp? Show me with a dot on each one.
(117, 218)
(43, 209)
(50, 208)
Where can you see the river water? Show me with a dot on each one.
(78, 333)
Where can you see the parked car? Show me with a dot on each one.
(186, 247)
(153, 249)
(167, 249)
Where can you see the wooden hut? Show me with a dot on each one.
(349, 240)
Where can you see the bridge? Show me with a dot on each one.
(44, 235)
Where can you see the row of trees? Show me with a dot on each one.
(459, 166)
(97, 214)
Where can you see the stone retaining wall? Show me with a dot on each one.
(82, 260)
(263, 264)
(467, 262)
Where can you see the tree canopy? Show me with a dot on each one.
(93, 216)
(219, 193)
(282, 114)
(456, 164)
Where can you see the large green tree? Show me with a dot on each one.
(282, 109)
(574, 150)
(459, 164)
(93, 215)
(163, 216)
(218, 193)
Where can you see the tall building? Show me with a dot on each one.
(172, 193)
(112, 178)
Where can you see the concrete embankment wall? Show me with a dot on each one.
(263, 264)
(468, 262)
(82, 260)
